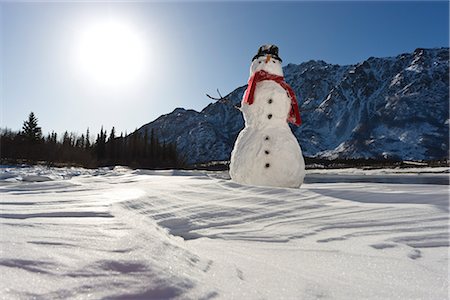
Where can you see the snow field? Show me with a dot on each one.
(122, 234)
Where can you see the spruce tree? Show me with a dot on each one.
(112, 135)
(100, 145)
(31, 131)
(66, 139)
(111, 150)
(88, 142)
(145, 154)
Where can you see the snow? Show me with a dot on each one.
(415, 68)
(272, 66)
(409, 171)
(139, 234)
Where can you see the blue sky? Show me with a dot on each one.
(191, 49)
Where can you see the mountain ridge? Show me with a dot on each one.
(381, 108)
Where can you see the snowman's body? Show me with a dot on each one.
(266, 153)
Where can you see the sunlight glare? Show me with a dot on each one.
(111, 53)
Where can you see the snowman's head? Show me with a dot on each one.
(267, 59)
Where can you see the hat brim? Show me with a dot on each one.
(273, 56)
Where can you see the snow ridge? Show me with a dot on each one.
(395, 107)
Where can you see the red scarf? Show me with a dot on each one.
(294, 115)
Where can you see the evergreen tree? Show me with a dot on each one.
(153, 144)
(100, 145)
(134, 145)
(66, 139)
(112, 135)
(73, 139)
(112, 145)
(145, 154)
(53, 138)
(31, 131)
(79, 141)
(88, 142)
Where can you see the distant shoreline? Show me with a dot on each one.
(310, 163)
(314, 163)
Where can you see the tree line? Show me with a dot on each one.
(135, 150)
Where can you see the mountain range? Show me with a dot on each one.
(381, 108)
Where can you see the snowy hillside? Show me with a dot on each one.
(394, 107)
(124, 234)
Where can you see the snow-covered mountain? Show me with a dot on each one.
(395, 107)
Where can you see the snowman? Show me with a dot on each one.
(266, 153)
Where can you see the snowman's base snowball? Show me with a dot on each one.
(271, 157)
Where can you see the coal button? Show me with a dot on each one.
(267, 165)
(269, 116)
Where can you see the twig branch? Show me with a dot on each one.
(217, 99)
(220, 95)
(222, 99)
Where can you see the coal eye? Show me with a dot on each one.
(273, 61)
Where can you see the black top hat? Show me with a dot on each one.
(267, 49)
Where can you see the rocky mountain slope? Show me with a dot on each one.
(395, 107)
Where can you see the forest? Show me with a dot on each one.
(135, 150)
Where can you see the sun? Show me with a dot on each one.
(110, 53)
